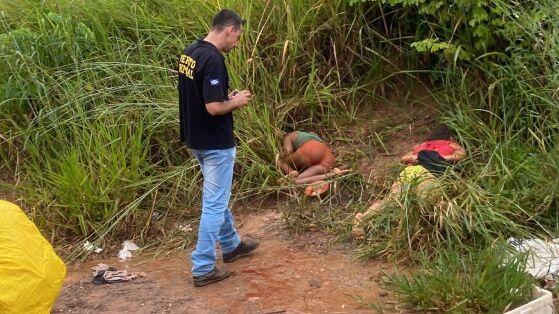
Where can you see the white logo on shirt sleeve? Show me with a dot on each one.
(214, 82)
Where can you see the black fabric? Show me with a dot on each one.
(99, 277)
(433, 161)
(203, 79)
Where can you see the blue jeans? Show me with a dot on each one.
(216, 222)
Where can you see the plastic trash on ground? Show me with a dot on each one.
(542, 304)
(31, 273)
(127, 248)
(543, 256)
(88, 246)
(106, 274)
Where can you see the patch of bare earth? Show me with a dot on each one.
(287, 274)
(5, 181)
(385, 132)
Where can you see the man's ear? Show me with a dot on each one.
(229, 29)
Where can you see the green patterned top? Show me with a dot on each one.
(303, 137)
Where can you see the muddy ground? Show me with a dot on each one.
(287, 274)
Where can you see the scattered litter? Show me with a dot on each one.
(130, 246)
(543, 256)
(184, 228)
(88, 246)
(127, 247)
(106, 274)
(124, 255)
(157, 215)
(550, 282)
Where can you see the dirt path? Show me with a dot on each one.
(286, 275)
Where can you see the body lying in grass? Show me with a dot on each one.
(441, 141)
(305, 158)
(426, 161)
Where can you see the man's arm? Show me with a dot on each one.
(237, 101)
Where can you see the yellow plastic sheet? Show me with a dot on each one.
(31, 273)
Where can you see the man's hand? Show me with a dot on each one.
(233, 93)
(240, 99)
(236, 101)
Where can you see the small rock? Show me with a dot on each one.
(383, 294)
(253, 299)
(315, 283)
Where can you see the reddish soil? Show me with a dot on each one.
(383, 133)
(287, 274)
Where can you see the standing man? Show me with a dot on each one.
(206, 127)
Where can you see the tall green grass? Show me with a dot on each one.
(486, 281)
(502, 101)
(89, 118)
(455, 211)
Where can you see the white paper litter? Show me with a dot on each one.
(88, 246)
(184, 228)
(543, 256)
(130, 246)
(124, 254)
(127, 247)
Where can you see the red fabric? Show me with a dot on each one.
(440, 146)
(316, 153)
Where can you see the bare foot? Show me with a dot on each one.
(317, 188)
(375, 207)
(338, 171)
(293, 174)
(358, 231)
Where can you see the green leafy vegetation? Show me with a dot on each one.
(466, 282)
(89, 122)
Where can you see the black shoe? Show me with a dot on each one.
(213, 276)
(243, 249)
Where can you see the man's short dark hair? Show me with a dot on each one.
(225, 18)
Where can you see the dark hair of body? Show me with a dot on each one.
(441, 132)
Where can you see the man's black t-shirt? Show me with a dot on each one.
(203, 79)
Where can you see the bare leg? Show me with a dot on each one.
(287, 170)
(290, 163)
(395, 189)
(358, 230)
(312, 174)
(312, 171)
(313, 179)
(320, 177)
